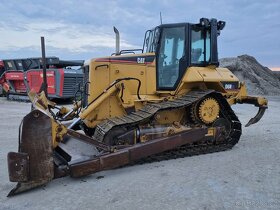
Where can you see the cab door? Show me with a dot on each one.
(171, 57)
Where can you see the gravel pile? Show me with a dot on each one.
(277, 74)
(259, 79)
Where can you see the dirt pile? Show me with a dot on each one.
(259, 79)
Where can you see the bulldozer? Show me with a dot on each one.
(169, 99)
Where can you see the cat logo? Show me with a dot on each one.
(140, 60)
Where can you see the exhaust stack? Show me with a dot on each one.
(117, 40)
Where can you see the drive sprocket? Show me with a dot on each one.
(208, 110)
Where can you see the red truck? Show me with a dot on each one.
(63, 77)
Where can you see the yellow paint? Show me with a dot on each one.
(169, 117)
(123, 96)
(209, 110)
(58, 132)
(102, 73)
(207, 74)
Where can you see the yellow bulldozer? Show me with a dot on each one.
(169, 99)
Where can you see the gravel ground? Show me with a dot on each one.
(246, 177)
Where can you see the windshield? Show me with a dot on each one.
(200, 45)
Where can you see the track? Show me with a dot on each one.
(205, 147)
(147, 113)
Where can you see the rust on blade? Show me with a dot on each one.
(164, 144)
(18, 166)
(136, 152)
(109, 161)
(36, 168)
(85, 168)
(89, 140)
(36, 141)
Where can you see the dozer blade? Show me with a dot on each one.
(33, 165)
(258, 116)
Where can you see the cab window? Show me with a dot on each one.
(172, 48)
(200, 45)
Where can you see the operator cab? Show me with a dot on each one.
(179, 46)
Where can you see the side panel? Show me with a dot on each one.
(15, 81)
(151, 78)
(59, 78)
(208, 78)
(104, 71)
(208, 74)
(99, 78)
(119, 70)
(14, 75)
(70, 81)
(35, 78)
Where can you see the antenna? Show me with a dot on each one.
(160, 17)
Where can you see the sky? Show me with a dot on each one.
(83, 29)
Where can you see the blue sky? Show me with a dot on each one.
(84, 29)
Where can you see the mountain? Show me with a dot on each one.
(259, 79)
